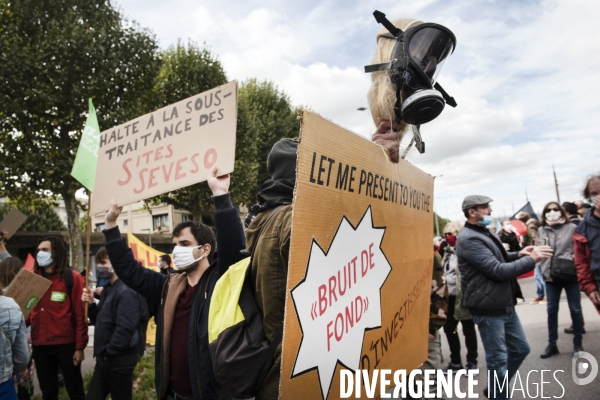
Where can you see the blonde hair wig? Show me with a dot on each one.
(382, 94)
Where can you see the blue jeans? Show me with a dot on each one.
(7, 390)
(553, 290)
(539, 282)
(505, 347)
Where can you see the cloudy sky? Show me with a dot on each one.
(524, 74)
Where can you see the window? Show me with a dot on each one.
(160, 221)
(125, 222)
(100, 227)
(186, 217)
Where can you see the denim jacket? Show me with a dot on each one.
(14, 352)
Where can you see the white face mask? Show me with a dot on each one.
(553, 216)
(184, 256)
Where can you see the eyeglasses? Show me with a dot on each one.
(449, 234)
(554, 209)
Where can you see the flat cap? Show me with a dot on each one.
(474, 201)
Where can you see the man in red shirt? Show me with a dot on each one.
(59, 332)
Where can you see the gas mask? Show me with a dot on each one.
(415, 62)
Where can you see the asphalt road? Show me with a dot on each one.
(533, 318)
(534, 321)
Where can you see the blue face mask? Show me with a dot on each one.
(44, 258)
(487, 219)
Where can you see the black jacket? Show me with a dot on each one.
(154, 287)
(116, 318)
(488, 272)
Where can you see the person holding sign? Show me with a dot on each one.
(405, 96)
(183, 368)
(59, 332)
(270, 259)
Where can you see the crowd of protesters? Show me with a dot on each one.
(481, 269)
(475, 283)
(474, 279)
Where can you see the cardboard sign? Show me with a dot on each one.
(146, 255)
(27, 289)
(12, 222)
(167, 149)
(360, 269)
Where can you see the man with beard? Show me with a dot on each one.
(183, 367)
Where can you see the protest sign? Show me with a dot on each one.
(360, 269)
(167, 149)
(146, 255)
(12, 222)
(26, 289)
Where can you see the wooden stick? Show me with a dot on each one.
(87, 250)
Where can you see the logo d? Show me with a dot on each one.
(583, 367)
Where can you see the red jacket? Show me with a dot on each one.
(587, 282)
(59, 318)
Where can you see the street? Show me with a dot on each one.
(533, 318)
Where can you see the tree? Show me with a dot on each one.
(39, 219)
(187, 71)
(439, 223)
(266, 116)
(55, 54)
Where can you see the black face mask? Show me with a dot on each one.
(415, 63)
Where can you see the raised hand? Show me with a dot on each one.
(110, 219)
(388, 137)
(219, 185)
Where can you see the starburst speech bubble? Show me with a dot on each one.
(339, 299)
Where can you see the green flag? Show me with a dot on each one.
(84, 167)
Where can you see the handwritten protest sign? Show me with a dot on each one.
(27, 289)
(12, 222)
(361, 259)
(167, 149)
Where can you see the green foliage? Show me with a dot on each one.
(143, 378)
(39, 219)
(83, 223)
(441, 223)
(55, 54)
(264, 116)
(187, 71)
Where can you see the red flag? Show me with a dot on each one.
(29, 262)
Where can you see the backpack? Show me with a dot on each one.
(241, 354)
(142, 324)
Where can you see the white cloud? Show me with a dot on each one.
(523, 74)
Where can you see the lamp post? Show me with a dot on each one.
(149, 236)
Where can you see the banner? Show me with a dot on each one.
(360, 270)
(146, 255)
(84, 166)
(167, 149)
